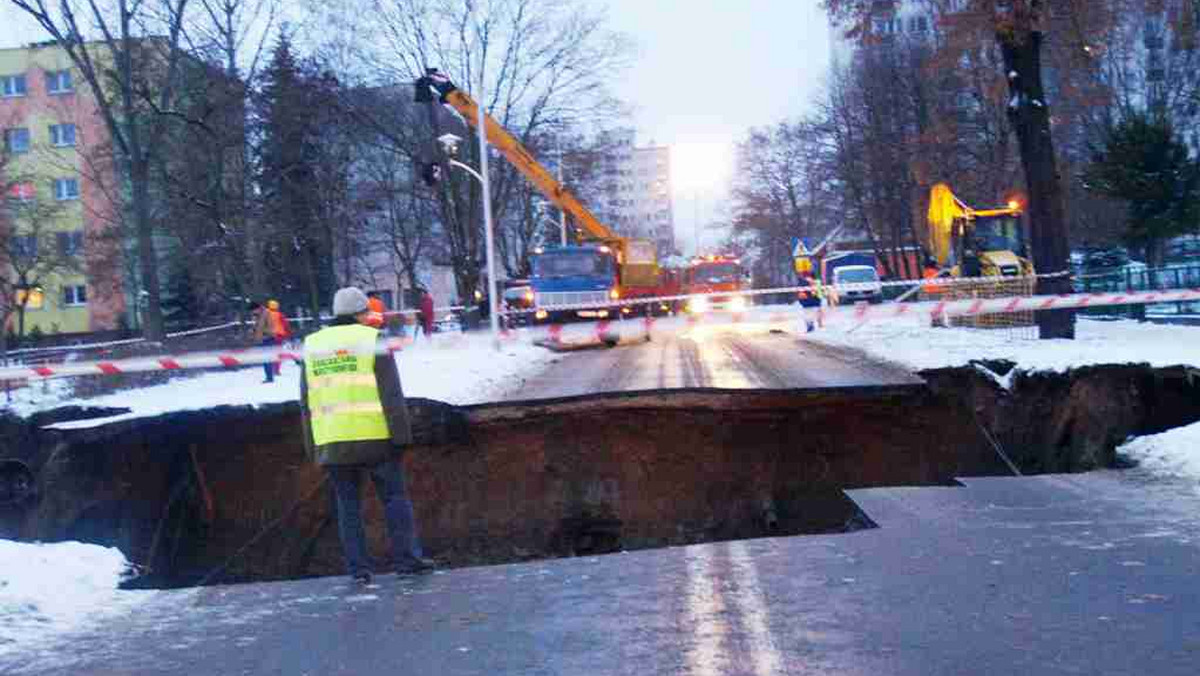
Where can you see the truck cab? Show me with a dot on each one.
(570, 276)
(721, 279)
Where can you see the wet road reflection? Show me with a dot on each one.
(724, 357)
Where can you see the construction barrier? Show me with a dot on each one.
(642, 328)
(37, 352)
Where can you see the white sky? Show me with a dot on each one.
(706, 72)
(709, 70)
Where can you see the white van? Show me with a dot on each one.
(863, 281)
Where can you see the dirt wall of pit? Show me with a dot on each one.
(227, 494)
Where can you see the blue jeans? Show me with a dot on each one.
(269, 367)
(388, 477)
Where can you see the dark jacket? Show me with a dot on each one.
(387, 376)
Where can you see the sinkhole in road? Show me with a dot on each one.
(226, 495)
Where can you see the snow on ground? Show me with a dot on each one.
(1174, 454)
(919, 346)
(454, 368)
(35, 396)
(47, 590)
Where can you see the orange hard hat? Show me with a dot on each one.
(273, 305)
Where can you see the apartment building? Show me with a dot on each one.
(636, 190)
(56, 154)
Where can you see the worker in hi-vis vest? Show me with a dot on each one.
(355, 423)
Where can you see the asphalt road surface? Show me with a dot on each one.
(751, 356)
(1082, 574)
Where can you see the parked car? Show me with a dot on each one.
(448, 323)
(864, 281)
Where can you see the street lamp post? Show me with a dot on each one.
(562, 214)
(487, 218)
(487, 224)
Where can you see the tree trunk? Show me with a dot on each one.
(1030, 116)
(314, 293)
(152, 320)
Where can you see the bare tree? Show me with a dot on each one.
(1019, 29)
(234, 33)
(403, 219)
(545, 63)
(780, 194)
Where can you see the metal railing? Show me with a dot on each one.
(1172, 276)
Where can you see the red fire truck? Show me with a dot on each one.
(722, 278)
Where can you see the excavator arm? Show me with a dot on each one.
(517, 155)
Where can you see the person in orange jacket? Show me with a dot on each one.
(930, 274)
(375, 311)
(271, 328)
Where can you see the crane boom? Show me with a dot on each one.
(518, 156)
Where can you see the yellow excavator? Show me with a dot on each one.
(967, 242)
(609, 268)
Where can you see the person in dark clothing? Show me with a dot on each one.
(426, 314)
(356, 422)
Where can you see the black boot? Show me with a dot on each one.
(416, 567)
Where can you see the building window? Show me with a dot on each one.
(20, 192)
(66, 189)
(70, 243)
(24, 247)
(74, 296)
(16, 141)
(12, 85)
(62, 135)
(59, 82)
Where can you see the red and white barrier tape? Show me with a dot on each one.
(941, 283)
(35, 352)
(563, 335)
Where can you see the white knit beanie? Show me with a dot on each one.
(349, 301)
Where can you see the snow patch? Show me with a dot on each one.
(1175, 453)
(47, 590)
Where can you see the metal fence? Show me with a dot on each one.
(1128, 278)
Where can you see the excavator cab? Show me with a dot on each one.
(994, 246)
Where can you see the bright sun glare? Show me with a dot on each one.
(701, 165)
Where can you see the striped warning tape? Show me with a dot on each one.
(38, 352)
(939, 284)
(638, 329)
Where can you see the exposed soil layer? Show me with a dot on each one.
(226, 494)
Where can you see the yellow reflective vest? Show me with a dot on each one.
(343, 395)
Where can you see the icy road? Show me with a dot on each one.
(748, 356)
(1082, 574)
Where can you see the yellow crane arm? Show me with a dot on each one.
(518, 156)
